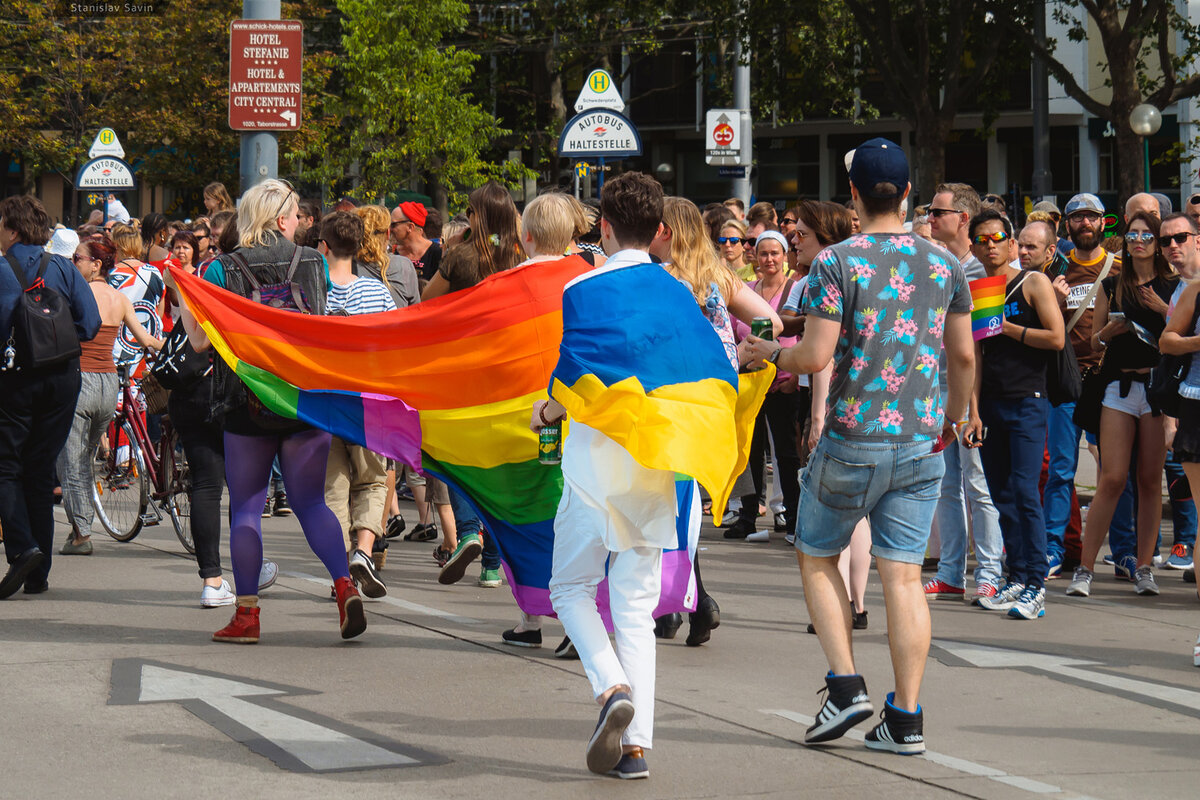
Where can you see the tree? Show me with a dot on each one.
(1141, 61)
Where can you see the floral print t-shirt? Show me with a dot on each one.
(891, 294)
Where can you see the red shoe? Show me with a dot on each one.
(242, 629)
(350, 608)
(942, 591)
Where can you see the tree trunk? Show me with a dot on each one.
(930, 157)
(558, 112)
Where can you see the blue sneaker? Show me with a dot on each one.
(631, 766)
(1054, 565)
(1180, 558)
(604, 748)
(1124, 567)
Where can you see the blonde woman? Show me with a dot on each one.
(731, 242)
(267, 261)
(373, 259)
(143, 284)
(549, 226)
(217, 199)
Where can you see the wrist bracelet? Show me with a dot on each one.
(542, 414)
(1024, 331)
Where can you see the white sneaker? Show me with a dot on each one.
(267, 575)
(759, 536)
(1081, 582)
(1144, 582)
(1004, 599)
(1196, 653)
(216, 596)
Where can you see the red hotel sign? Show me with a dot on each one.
(265, 63)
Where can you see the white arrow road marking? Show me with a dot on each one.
(950, 762)
(1069, 669)
(394, 601)
(293, 742)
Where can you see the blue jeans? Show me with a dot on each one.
(1183, 507)
(1012, 461)
(467, 521)
(964, 471)
(1062, 441)
(894, 484)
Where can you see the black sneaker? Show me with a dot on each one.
(846, 705)
(522, 639)
(860, 620)
(269, 508)
(395, 527)
(901, 732)
(740, 529)
(566, 650)
(362, 568)
(282, 509)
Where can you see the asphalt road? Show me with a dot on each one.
(111, 687)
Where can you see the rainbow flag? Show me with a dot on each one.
(987, 306)
(447, 386)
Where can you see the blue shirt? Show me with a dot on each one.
(61, 276)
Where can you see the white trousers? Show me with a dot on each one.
(634, 579)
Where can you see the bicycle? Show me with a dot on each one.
(134, 482)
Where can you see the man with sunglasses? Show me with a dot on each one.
(1192, 208)
(1087, 264)
(1010, 402)
(407, 231)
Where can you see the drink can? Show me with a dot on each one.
(550, 444)
(763, 328)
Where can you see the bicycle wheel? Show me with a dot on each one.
(120, 487)
(179, 505)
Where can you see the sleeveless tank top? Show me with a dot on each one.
(1012, 370)
(97, 355)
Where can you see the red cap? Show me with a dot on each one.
(415, 212)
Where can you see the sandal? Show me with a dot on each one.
(441, 555)
(422, 533)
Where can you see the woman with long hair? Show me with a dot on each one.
(254, 436)
(155, 233)
(217, 199)
(1130, 316)
(396, 272)
(98, 392)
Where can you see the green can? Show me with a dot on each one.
(763, 328)
(550, 444)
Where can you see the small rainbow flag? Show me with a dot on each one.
(448, 385)
(987, 306)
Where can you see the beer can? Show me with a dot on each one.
(763, 328)
(550, 444)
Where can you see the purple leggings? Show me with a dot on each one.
(302, 460)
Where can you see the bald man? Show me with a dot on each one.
(1037, 246)
(1142, 202)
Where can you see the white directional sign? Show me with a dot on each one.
(106, 144)
(106, 172)
(727, 136)
(244, 711)
(599, 91)
(599, 134)
(1071, 670)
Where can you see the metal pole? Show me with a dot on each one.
(600, 180)
(740, 187)
(1042, 178)
(260, 151)
(1146, 160)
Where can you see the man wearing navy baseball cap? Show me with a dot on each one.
(894, 295)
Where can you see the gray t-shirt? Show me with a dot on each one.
(891, 294)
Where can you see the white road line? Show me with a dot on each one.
(395, 601)
(951, 762)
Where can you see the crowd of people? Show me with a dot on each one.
(890, 433)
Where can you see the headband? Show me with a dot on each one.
(776, 235)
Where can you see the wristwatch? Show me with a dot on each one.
(774, 357)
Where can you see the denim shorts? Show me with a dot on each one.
(895, 484)
(1134, 403)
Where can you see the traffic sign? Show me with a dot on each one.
(727, 137)
(106, 144)
(266, 59)
(106, 172)
(599, 91)
(582, 169)
(599, 134)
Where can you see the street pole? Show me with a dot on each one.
(1146, 160)
(740, 187)
(1042, 178)
(260, 151)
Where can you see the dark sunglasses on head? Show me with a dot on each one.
(729, 240)
(287, 198)
(937, 212)
(1145, 237)
(984, 238)
(1177, 238)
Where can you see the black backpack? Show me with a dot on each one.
(43, 329)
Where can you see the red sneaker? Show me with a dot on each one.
(936, 589)
(350, 608)
(242, 629)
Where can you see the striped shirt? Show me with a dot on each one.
(360, 296)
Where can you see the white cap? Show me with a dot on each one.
(63, 243)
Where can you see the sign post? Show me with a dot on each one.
(106, 168)
(598, 130)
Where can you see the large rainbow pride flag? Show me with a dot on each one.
(448, 385)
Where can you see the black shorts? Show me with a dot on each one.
(1187, 437)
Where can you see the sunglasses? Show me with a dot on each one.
(729, 240)
(1178, 238)
(787, 221)
(1194, 200)
(77, 258)
(287, 198)
(984, 238)
(1145, 237)
(398, 223)
(937, 212)
(750, 242)
(800, 235)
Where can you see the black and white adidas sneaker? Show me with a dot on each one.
(846, 705)
(901, 732)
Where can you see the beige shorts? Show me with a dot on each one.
(435, 491)
(355, 488)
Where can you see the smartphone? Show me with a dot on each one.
(976, 441)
